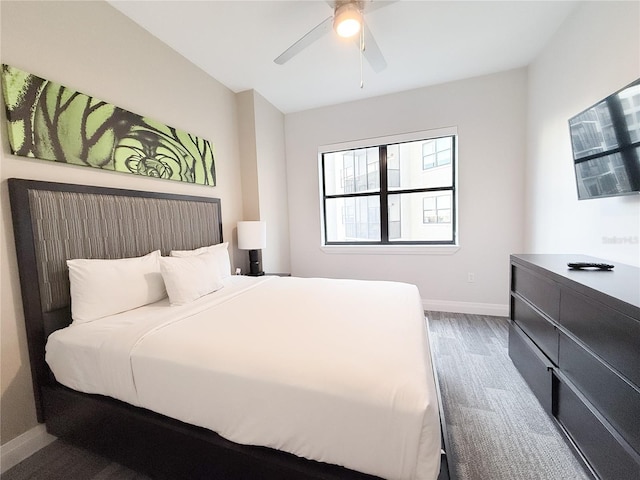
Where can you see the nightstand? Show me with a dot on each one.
(268, 274)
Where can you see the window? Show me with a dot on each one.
(389, 194)
(436, 152)
(436, 209)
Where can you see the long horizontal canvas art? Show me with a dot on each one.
(52, 122)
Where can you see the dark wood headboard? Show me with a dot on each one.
(55, 222)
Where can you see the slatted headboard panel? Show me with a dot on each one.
(54, 222)
(79, 225)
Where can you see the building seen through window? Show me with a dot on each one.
(390, 194)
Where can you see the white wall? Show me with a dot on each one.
(264, 177)
(489, 113)
(595, 53)
(91, 47)
(248, 158)
(272, 185)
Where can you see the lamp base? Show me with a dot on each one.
(255, 263)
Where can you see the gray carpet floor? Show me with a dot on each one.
(498, 430)
(61, 461)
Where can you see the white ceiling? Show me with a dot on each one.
(424, 43)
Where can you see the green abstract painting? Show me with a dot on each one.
(52, 122)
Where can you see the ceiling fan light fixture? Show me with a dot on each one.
(347, 20)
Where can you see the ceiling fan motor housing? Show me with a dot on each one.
(365, 43)
(347, 19)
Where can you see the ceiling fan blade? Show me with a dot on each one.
(305, 41)
(373, 5)
(371, 50)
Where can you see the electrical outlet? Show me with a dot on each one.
(238, 271)
(471, 277)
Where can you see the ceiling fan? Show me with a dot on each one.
(348, 21)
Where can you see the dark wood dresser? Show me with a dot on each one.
(574, 336)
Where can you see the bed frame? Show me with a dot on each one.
(54, 222)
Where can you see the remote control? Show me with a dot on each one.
(581, 265)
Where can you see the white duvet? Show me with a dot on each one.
(337, 371)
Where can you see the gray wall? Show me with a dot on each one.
(490, 114)
(264, 176)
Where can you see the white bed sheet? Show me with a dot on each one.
(337, 371)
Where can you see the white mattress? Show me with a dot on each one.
(337, 371)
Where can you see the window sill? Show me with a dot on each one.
(390, 249)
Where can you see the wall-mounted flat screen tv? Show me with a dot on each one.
(605, 139)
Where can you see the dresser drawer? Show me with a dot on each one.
(608, 333)
(607, 456)
(541, 292)
(534, 367)
(539, 329)
(614, 398)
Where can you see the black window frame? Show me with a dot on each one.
(383, 192)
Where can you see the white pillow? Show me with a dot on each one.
(105, 287)
(220, 249)
(191, 277)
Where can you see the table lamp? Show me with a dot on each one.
(252, 236)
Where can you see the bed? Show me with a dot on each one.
(262, 378)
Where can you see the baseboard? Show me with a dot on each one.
(494, 309)
(23, 446)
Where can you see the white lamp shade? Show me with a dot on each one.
(252, 235)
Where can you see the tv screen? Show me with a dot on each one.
(605, 139)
